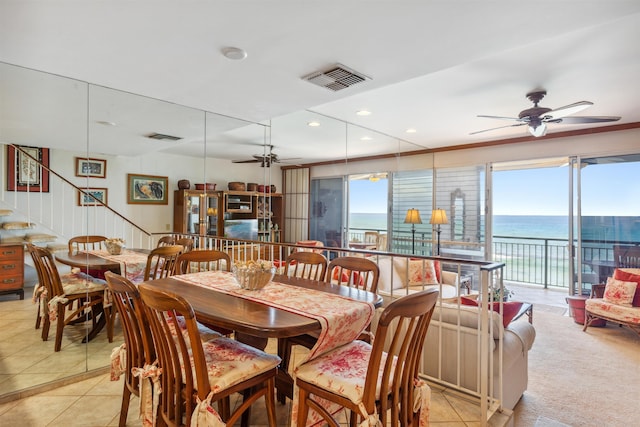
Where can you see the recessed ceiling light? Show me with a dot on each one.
(313, 124)
(411, 130)
(363, 113)
(234, 53)
(365, 138)
(105, 123)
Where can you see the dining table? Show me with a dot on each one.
(286, 307)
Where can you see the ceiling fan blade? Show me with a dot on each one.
(246, 161)
(567, 110)
(500, 117)
(587, 119)
(501, 127)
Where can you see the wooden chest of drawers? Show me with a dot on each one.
(12, 269)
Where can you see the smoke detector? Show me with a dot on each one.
(336, 77)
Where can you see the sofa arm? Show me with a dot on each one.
(449, 278)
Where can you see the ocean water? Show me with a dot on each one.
(606, 229)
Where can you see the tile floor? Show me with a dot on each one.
(25, 360)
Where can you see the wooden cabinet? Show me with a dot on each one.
(12, 269)
(197, 212)
(205, 212)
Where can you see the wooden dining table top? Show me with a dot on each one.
(252, 317)
(85, 260)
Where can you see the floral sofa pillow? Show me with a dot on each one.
(619, 292)
(422, 272)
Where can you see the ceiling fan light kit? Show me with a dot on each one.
(537, 117)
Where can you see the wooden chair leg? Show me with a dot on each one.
(124, 407)
(270, 401)
(59, 327)
(303, 407)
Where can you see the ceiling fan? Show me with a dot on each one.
(265, 160)
(536, 118)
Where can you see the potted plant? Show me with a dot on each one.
(494, 293)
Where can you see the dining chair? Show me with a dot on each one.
(355, 272)
(186, 242)
(308, 265)
(161, 262)
(203, 260)
(68, 297)
(368, 380)
(139, 349)
(166, 241)
(86, 243)
(209, 372)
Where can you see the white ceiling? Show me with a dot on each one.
(434, 66)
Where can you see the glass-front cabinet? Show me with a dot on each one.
(196, 212)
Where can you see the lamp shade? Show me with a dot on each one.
(438, 216)
(413, 217)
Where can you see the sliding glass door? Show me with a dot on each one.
(327, 221)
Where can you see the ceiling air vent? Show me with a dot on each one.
(162, 136)
(336, 78)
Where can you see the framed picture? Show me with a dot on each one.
(94, 168)
(147, 189)
(92, 197)
(24, 173)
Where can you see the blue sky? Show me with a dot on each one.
(607, 190)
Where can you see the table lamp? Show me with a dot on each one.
(413, 218)
(438, 217)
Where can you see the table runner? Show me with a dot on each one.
(132, 263)
(342, 319)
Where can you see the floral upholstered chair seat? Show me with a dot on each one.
(230, 362)
(343, 371)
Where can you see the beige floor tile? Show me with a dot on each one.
(79, 388)
(106, 387)
(38, 411)
(95, 410)
(441, 410)
(467, 409)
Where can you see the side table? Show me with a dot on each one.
(576, 310)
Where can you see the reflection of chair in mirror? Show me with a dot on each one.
(213, 371)
(371, 239)
(203, 260)
(375, 380)
(70, 299)
(138, 346)
(86, 243)
(186, 243)
(161, 262)
(381, 243)
(166, 241)
(626, 256)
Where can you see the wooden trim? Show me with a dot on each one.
(508, 141)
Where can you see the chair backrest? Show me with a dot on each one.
(166, 241)
(138, 342)
(48, 275)
(626, 256)
(86, 243)
(185, 242)
(180, 356)
(403, 327)
(161, 262)
(308, 265)
(354, 271)
(371, 237)
(203, 260)
(381, 243)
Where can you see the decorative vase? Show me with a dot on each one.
(184, 184)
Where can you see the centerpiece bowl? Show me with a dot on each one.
(253, 275)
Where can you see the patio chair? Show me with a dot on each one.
(374, 381)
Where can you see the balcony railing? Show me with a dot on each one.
(531, 260)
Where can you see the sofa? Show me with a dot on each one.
(401, 276)
(618, 301)
(441, 347)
